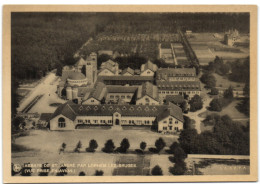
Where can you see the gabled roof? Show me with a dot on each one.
(149, 65)
(80, 62)
(65, 110)
(98, 92)
(148, 89)
(121, 89)
(109, 65)
(71, 110)
(172, 110)
(45, 116)
(128, 70)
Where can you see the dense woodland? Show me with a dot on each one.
(41, 42)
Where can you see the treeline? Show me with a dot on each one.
(168, 22)
(226, 138)
(41, 42)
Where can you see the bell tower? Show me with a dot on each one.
(91, 68)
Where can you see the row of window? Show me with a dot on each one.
(146, 122)
(177, 92)
(170, 128)
(170, 122)
(118, 96)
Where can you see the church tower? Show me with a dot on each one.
(91, 68)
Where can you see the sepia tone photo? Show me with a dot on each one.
(130, 94)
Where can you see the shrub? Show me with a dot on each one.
(216, 105)
(99, 173)
(82, 173)
(92, 146)
(124, 145)
(178, 169)
(109, 146)
(196, 103)
(142, 146)
(173, 147)
(214, 91)
(78, 147)
(157, 171)
(228, 93)
(160, 144)
(209, 80)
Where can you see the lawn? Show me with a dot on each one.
(225, 83)
(43, 146)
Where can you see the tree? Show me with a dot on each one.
(82, 173)
(187, 140)
(214, 91)
(45, 169)
(174, 146)
(157, 171)
(109, 146)
(99, 173)
(17, 122)
(216, 105)
(179, 154)
(188, 123)
(178, 169)
(209, 80)
(92, 146)
(196, 103)
(124, 145)
(78, 147)
(160, 144)
(143, 146)
(184, 106)
(63, 147)
(63, 170)
(228, 93)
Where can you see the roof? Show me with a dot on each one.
(158, 111)
(128, 78)
(178, 85)
(128, 70)
(76, 76)
(148, 89)
(80, 62)
(121, 89)
(176, 99)
(45, 116)
(108, 52)
(65, 110)
(164, 73)
(98, 92)
(149, 65)
(172, 110)
(109, 65)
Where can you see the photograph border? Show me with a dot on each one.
(6, 58)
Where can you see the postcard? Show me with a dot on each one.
(129, 93)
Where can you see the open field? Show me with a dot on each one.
(225, 83)
(35, 152)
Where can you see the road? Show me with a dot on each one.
(47, 89)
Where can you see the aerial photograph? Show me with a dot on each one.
(130, 93)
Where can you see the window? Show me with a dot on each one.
(128, 96)
(110, 121)
(164, 121)
(170, 127)
(61, 122)
(176, 122)
(95, 121)
(164, 128)
(80, 121)
(111, 96)
(123, 97)
(92, 101)
(176, 128)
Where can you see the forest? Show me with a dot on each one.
(43, 41)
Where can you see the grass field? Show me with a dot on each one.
(225, 83)
(43, 147)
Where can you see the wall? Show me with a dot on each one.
(166, 123)
(91, 101)
(54, 123)
(142, 101)
(127, 97)
(147, 73)
(106, 72)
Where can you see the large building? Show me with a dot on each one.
(166, 118)
(176, 74)
(145, 94)
(177, 81)
(148, 69)
(77, 79)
